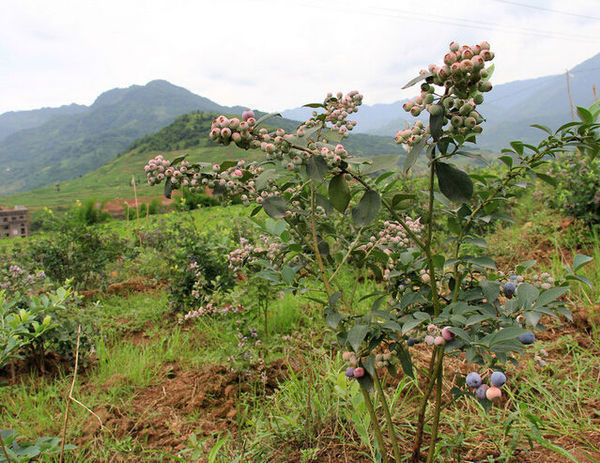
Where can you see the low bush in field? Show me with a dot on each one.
(73, 250)
(36, 325)
(578, 175)
(197, 262)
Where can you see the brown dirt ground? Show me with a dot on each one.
(185, 402)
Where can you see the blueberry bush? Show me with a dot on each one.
(347, 219)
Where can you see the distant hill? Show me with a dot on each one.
(509, 108)
(69, 145)
(13, 121)
(187, 134)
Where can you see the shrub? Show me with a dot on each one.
(343, 219)
(78, 251)
(578, 174)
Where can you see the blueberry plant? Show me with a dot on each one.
(347, 218)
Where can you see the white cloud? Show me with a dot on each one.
(270, 54)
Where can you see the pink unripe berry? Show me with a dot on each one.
(226, 132)
(359, 372)
(493, 393)
(454, 46)
(485, 86)
(450, 58)
(347, 356)
(415, 111)
(439, 341)
(429, 339)
(247, 115)
(484, 45)
(447, 334)
(487, 55)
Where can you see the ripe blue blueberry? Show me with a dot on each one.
(498, 379)
(410, 342)
(350, 372)
(509, 289)
(473, 379)
(481, 390)
(527, 338)
(513, 277)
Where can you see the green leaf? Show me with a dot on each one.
(525, 265)
(288, 274)
(436, 124)
(333, 319)
(527, 295)
(275, 206)
(383, 162)
(455, 184)
(580, 260)
(266, 117)
(413, 154)
(580, 278)
(356, 336)
(313, 105)
(585, 115)
(264, 177)
(339, 193)
(366, 210)
(419, 78)
(316, 168)
(168, 188)
(508, 160)
(483, 261)
(550, 295)
(406, 362)
(324, 203)
(491, 289)
(542, 127)
(547, 178)
(507, 334)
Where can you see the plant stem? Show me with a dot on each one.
(434, 365)
(376, 426)
(438, 408)
(66, 419)
(432, 280)
(388, 418)
(8, 460)
(316, 241)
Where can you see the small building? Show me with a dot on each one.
(14, 223)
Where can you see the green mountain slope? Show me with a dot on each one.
(70, 145)
(187, 134)
(14, 121)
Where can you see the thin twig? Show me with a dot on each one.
(66, 418)
(8, 460)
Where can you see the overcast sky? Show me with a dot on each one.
(273, 54)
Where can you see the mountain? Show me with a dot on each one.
(509, 108)
(13, 121)
(369, 118)
(187, 134)
(68, 145)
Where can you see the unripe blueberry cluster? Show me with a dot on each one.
(413, 135)
(437, 336)
(483, 391)
(224, 130)
(338, 108)
(543, 281)
(211, 308)
(248, 254)
(463, 78)
(353, 371)
(392, 240)
(16, 280)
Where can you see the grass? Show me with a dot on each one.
(312, 413)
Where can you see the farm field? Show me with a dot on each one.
(167, 391)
